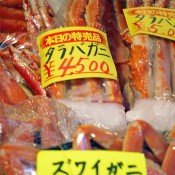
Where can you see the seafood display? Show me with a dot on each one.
(160, 160)
(134, 113)
(23, 63)
(160, 156)
(151, 74)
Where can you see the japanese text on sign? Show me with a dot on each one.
(151, 20)
(75, 52)
(81, 163)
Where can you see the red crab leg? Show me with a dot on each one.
(107, 139)
(161, 70)
(172, 55)
(28, 74)
(121, 22)
(11, 3)
(172, 62)
(6, 57)
(10, 25)
(10, 91)
(37, 19)
(141, 58)
(67, 20)
(11, 13)
(94, 13)
(137, 132)
(31, 25)
(47, 13)
(161, 64)
(76, 16)
(168, 163)
(112, 91)
(81, 88)
(119, 51)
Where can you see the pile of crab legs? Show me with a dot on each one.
(154, 63)
(159, 161)
(24, 64)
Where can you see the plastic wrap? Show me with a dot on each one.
(150, 87)
(45, 122)
(81, 92)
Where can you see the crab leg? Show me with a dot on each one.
(94, 13)
(140, 62)
(94, 18)
(121, 22)
(10, 91)
(11, 13)
(161, 70)
(84, 133)
(34, 7)
(76, 16)
(31, 26)
(11, 3)
(115, 25)
(90, 88)
(28, 74)
(172, 55)
(10, 25)
(46, 13)
(139, 131)
(67, 20)
(10, 68)
(119, 51)
(168, 163)
(161, 64)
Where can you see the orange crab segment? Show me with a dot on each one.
(139, 63)
(161, 70)
(141, 130)
(168, 163)
(94, 13)
(46, 13)
(11, 13)
(10, 91)
(76, 16)
(86, 132)
(133, 138)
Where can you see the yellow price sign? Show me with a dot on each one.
(151, 20)
(75, 52)
(98, 162)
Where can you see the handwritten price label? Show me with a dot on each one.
(151, 20)
(81, 163)
(74, 52)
